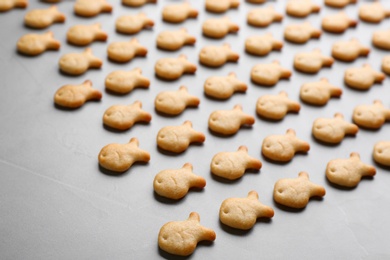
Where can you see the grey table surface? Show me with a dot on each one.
(56, 203)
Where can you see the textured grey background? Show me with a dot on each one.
(56, 203)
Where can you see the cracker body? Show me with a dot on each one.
(301, 33)
(362, 78)
(35, 44)
(174, 68)
(373, 12)
(339, 3)
(262, 45)
(242, 213)
(175, 102)
(333, 130)
(123, 117)
(312, 62)
(301, 8)
(269, 74)
(348, 172)
(228, 122)
(82, 35)
(182, 237)
(175, 183)
(126, 51)
(381, 153)
(174, 40)
(262, 17)
(123, 82)
(276, 106)
(386, 64)
(338, 23)
(176, 139)
(88, 8)
(349, 50)
(74, 96)
(224, 87)
(318, 93)
(137, 3)
(232, 165)
(371, 116)
(381, 39)
(216, 56)
(42, 18)
(295, 193)
(131, 24)
(79, 63)
(6, 5)
(120, 157)
(219, 27)
(282, 148)
(177, 13)
(221, 6)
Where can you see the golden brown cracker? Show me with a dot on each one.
(175, 102)
(35, 44)
(174, 68)
(282, 148)
(276, 107)
(228, 122)
(79, 63)
(42, 18)
(269, 74)
(176, 139)
(74, 96)
(175, 183)
(182, 237)
(295, 193)
(82, 35)
(319, 92)
(126, 51)
(242, 213)
(232, 165)
(123, 117)
(120, 157)
(224, 87)
(333, 130)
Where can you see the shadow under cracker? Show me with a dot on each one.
(25, 55)
(344, 188)
(273, 161)
(235, 231)
(325, 143)
(167, 80)
(221, 135)
(358, 90)
(224, 180)
(165, 114)
(119, 174)
(382, 166)
(59, 107)
(167, 255)
(270, 120)
(369, 129)
(114, 130)
(168, 201)
(221, 99)
(213, 67)
(109, 172)
(165, 152)
(288, 209)
(267, 86)
(68, 75)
